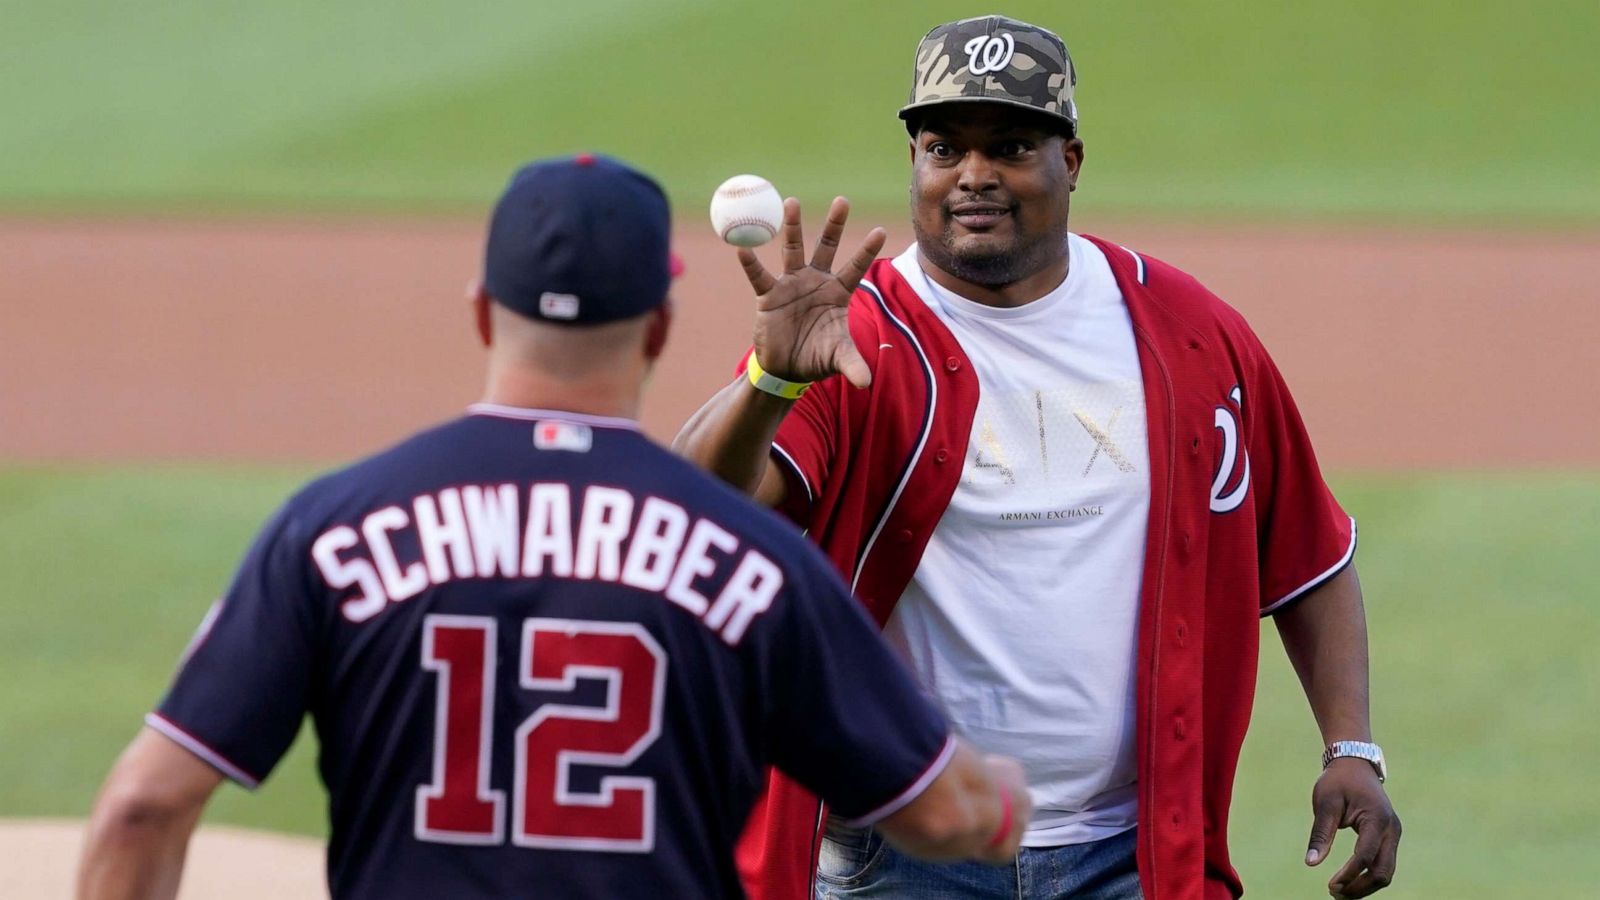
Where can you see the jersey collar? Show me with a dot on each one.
(525, 414)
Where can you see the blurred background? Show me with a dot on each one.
(235, 237)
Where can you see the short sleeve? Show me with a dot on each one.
(242, 688)
(1305, 536)
(843, 718)
(804, 445)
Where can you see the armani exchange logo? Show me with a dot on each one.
(992, 455)
(1078, 512)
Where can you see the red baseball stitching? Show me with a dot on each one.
(746, 220)
(733, 192)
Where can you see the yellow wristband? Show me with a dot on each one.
(788, 390)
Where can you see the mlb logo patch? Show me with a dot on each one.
(556, 435)
(558, 306)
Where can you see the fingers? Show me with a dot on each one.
(794, 242)
(1015, 804)
(1326, 812)
(1010, 773)
(847, 361)
(760, 278)
(861, 260)
(1365, 855)
(832, 230)
(1379, 873)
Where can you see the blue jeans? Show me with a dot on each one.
(860, 865)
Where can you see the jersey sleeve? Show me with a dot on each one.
(804, 445)
(242, 687)
(1305, 537)
(842, 717)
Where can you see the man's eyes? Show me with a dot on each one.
(1005, 150)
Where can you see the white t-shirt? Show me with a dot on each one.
(1022, 618)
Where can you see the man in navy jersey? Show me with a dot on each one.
(545, 657)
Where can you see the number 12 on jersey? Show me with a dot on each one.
(460, 807)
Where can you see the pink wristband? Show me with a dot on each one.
(1006, 812)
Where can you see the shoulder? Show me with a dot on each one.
(402, 455)
(706, 496)
(379, 478)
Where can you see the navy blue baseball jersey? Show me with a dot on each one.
(546, 658)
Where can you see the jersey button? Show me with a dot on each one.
(940, 455)
(1194, 446)
(1177, 818)
(1183, 634)
(952, 364)
(906, 535)
(1178, 729)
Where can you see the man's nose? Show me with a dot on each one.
(978, 174)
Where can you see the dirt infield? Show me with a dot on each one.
(42, 855)
(318, 340)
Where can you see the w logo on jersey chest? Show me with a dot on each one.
(1231, 483)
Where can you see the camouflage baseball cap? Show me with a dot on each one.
(994, 59)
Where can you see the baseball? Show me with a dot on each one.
(746, 211)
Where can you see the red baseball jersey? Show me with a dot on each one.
(1241, 524)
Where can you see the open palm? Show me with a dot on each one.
(802, 330)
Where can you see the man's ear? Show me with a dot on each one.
(478, 299)
(1072, 152)
(655, 337)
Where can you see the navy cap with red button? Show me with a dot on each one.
(580, 240)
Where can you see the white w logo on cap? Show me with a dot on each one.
(990, 53)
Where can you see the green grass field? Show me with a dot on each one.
(1485, 669)
(1428, 110)
(1485, 674)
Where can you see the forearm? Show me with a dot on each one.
(977, 808)
(134, 853)
(139, 830)
(1325, 636)
(731, 437)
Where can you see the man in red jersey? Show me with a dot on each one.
(1067, 481)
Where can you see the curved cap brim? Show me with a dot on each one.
(910, 108)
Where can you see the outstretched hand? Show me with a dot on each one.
(802, 330)
(1349, 795)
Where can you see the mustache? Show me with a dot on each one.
(979, 201)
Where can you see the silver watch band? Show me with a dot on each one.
(1372, 753)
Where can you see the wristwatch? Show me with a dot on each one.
(1372, 753)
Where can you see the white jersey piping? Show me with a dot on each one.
(194, 745)
(533, 415)
(922, 441)
(777, 448)
(1331, 571)
(934, 770)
